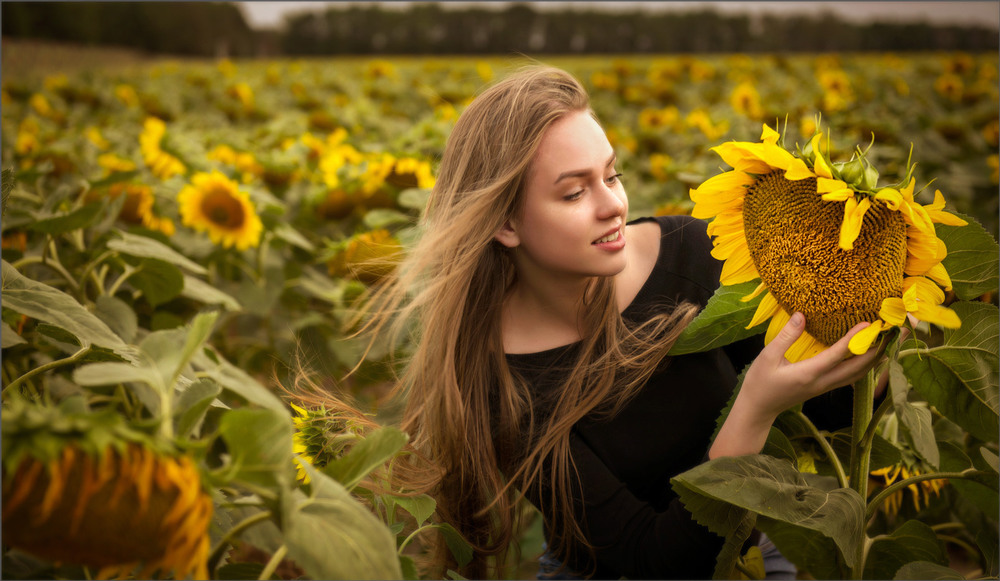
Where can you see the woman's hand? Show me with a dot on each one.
(773, 384)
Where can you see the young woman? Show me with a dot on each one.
(543, 318)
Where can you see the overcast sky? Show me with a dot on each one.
(986, 13)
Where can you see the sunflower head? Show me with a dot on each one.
(367, 257)
(215, 204)
(85, 489)
(824, 239)
(321, 436)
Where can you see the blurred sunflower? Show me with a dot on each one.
(745, 100)
(244, 162)
(138, 206)
(77, 490)
(112, 163)
(162, 164)
(825, 241)
(215, 204)
(94, 136)
(950, 87)
(368, 256)
(409, 172)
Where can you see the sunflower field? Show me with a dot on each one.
(185, 246)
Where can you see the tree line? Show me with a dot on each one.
(219, 29)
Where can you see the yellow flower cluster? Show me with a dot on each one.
(162, 164)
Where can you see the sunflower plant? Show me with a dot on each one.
(799, 230)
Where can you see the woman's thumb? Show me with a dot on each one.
(790, 332)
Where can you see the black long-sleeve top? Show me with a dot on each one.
(627, 508)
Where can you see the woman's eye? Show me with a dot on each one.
(573, 196)
(612, 180)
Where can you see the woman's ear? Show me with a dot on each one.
(507, 236)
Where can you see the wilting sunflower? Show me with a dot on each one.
(824, 240)
(75, 491)
(215, 204)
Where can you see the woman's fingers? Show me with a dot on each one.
(787, 335)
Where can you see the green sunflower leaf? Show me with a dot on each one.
(981, 491)
(259, 442)
(377, 448)
(158, 280)
(925, 570)
(959, 377)
(810, 523)
(333, 536)
(79, 218)
(973, 260)
(199, 290)
(235, 380)
(913, 541)
(146, 247)
(9, 337)
(45, 303)
(722, 321)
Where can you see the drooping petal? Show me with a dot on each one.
(937, 214)
(739, 156)
(738, 268)
(765, 310)
(768, 135)
(939, 274)
(863, 339)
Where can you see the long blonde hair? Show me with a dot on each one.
(448, 294)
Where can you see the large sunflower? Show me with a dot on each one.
(215, 204)
(825, 241)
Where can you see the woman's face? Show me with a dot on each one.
(575, 207)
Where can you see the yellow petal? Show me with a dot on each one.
(863, 339)
(798, 170)
(804, 347)
(937, 214)
(854, 214)
(777, 322)
(820, 166)
(760, 288)
(939, 274)
(765, 310)
(738, 268)
(891, 197)
(922, 289)
(838, 195)
(940, 316)
(893, 311)
(769, 135)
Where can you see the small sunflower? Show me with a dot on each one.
(215, 204)
(138, 206)
(745, 100)
(825, 241)
(162, 164)
(321, 436)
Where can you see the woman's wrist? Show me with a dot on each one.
(744, 432)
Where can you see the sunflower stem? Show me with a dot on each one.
(827, 449)
(901, 484)
(43, 368)
(864, 394)
(276, 559)
(227, 539)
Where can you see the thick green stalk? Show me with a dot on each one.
(864, 395)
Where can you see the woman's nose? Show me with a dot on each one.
(612, 203)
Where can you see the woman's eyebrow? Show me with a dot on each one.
(584, 172)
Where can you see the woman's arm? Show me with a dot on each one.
(773, 384)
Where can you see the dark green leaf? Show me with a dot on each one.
(408, 567)
(79, 218)
(774, 489)
(913, 541)
(982, 494)
(722, 321)
(972, 261)
(959, 377)
(373, 451)
(456, 544)
(926, 570)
